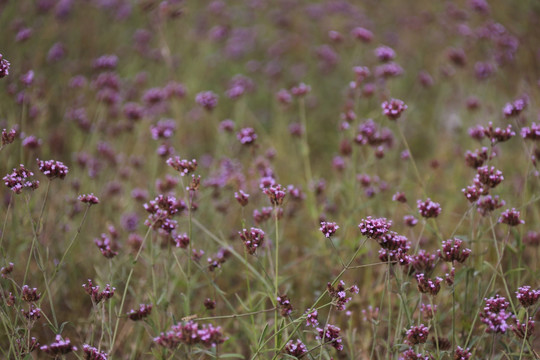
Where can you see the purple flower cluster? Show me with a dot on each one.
(526, 296)
(462, 354)
(393, 108)
(417, 334)
(330, 334)
(511, 217)
(423, 262)
(143, 311)
(374, 228)
(89, 199)
(523, 330)
(106, 246)
(487, 204)
(454, 250)
(328, 228)
(53, 169)
(184, 167)
(29, 294)
(428, 208)
(253, 239)
(92, 353)
(428, 286)
(189, 333)
(161, 211)
(498, 134)
(276, 193)
(515, 107)
(284, 305)
(246, 136)
(207, 99)
(163, 129)
(8, 136)
(369, 133)
(312, 317)
(495, 315)
(181, 240)
(18, 180)
(296, 348)
(59, 347)
(531, 133)
(339, 294)
(477, 158)
(410, 354)
(394, 248)
(241, 197)
(96, 295)
(4, 67)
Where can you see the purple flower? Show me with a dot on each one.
(531, 133)
(393, 108)
(488, 203)
(19, 180)
(516, 107)
(276, 194)
(417, 334)
(284, 304)
(385, 53)
(511, 217)
(428, 286)
(4, 67)
(331, 335)
(29, 294)
(184, 167)
(410, 220)
(247, 136)
(462, 354)
(139, 314)
(362, 34)
(328, 228)
(296, 348)
(93, 353)
(189, 333)
(527, 297)
(494, 314)
(53, 169)
(253, 239)
(300, 90)
(453, 250)
(241, 197)
(207, 99)
(96, 295)
(428, 208)
(311, 317)
(59, 347)
(374, 228)
(8, 136)
(89, 199)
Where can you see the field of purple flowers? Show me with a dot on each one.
(256, 179)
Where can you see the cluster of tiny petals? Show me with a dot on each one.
(96, 295)
(6, 270)
(428, 286)
(29, 294)
(183, 166)
(276, 193)
(143, 311)
(106, 246)
(164, 129)
(89, 199)
(511, 217)
(59, 347)
(246, 136)
(498, 134)
(374, 228)
(428, 208)
(410, 220)
(428, 311)
(295, 348)
(339, 294)
(417, 334)
(253, 239)
(328, 228)
(494, 314)
(241, 197)
(207, 99)
(4, 67)
(487, 204)
(312, 317)
(284, 304)
(527, 297)
(454, 250)
(92, 353)
(516, 107)
(19, 180)
(477, 158)
(189, 333)
(532, 132)
(53, 169)
(523, 330)
(489, 176)
(330, 334)
(8, 136)
(410, 354)
(472, 192)
(393, 108)
(300, 90)
(462, 354)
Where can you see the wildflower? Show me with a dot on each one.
(181, 240)
(410, 354)
(410, 220)
(423, 262)
(33, 313)
(516, 107)
(247, 136)
(96, 295)
(4, 67)
(330, 334)
(494, 314)
(276, 194)
(428, 208)
(393, 108)
(473, 192)
(6, 270)
(26, 346)
(29, 294)
(488, 203)
(417, 334)
(253, 239)
(374, 228)
(531, 133)
(226, 125)
(89, 199)
(18, 180)
(8, 136)
(527, 297)
(428, 286)
(370, 314)
(511, 217)
(183, 166)
(143, 311)
(428, 311)
(189, 333)
(385, 53)
(498, 134)
(93, 353)
(339, 294)
(462, 354)
(106, 246)
(106, 62)
(241, 197)
(207, 99)
(328, 228)
(219, 258)
(300, 90)
(59, 347)
(399, 197)
(164, 129)
(388, 70)
(523, 330)
(295, 348)
(477, 158)
(284, 97)
(362, 34)
(209, 304)
(53, 169)
(311, 317)
(453, 250)
(284, 304)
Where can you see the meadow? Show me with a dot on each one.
(256, 179)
